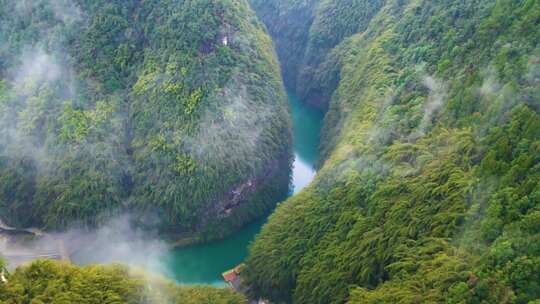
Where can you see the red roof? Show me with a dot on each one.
(230, 275)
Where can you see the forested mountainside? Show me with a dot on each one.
(429, 188)
(172, 110)
(55, 282)
(306, 35)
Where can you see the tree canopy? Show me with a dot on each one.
(58, 282)
(158, 108)
(428, 187)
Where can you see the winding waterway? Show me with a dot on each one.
(203, 264)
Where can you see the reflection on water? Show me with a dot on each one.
(203, 264)
(307, 123)
(303, 174)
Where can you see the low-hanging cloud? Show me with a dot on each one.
(491, 84)
(435, 101)
(533, 66)
(65, 11)
(37, 67)
(117, 241)
(236, 132)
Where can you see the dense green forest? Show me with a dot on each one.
(429, 187)
(172, 110)
(307, 34)
(58, 283)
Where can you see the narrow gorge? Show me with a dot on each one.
(339, 151)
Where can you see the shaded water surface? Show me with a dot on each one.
(204, 264)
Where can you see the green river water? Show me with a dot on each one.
(204, 264)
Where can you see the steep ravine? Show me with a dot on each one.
(187, 123)
(310, 38)
(204, 263)
(427, 186)
(429, 190)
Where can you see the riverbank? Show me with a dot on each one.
(203, 263)
(21, 246)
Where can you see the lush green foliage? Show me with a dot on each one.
(429, 188)
(55, 283)
(307, 35)
(162, 108)
(288, 23)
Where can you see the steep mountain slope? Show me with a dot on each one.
(54, 282)
(288, 23)
(429, 190)
(171, 110)
(306, 35)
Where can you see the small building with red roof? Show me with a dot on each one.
(233, 277)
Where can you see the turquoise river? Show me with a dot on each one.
(204, 264)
